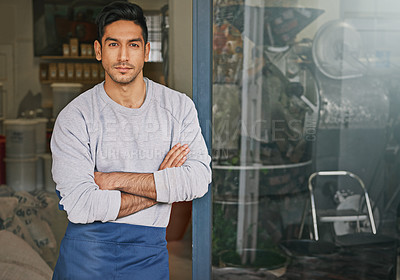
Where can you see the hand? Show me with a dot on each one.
(175, 157)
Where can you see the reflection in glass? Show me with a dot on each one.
(300, 87)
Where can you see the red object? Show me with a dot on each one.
(181, 214)
(48, 139)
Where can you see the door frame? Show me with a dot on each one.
(202, 86)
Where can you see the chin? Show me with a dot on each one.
(124, 80)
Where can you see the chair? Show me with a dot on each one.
(335, 215)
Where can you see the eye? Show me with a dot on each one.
(112, 44)
(134, 45)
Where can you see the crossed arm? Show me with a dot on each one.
(138, 190)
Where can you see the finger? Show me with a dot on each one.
(181, 162)
(172, 151)
(179, 157)
(176, 154)
(176, 157)
(168, 156)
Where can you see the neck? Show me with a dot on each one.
(130, 95)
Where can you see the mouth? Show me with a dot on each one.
(123, 68)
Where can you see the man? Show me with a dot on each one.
(121, 157)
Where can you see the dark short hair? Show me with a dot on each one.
(120, 10)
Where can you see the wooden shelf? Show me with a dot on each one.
(68, 58)
(87, 63)
(50, 58)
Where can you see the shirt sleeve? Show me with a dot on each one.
(191, 180)
(73, 172)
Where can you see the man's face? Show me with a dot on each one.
(123, 51)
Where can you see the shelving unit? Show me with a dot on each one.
(89, 69)
(53, 58)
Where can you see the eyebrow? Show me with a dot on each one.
(116, 40)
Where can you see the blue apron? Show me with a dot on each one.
(112, 251)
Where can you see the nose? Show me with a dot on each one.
(123, 53)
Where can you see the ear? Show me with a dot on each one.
(146, 51)
(97, 50)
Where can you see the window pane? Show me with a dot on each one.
(305, 138)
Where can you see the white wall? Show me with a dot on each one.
(150, 5)
(16, 29)
(180, 35)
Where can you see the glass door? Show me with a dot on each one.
(305, 139)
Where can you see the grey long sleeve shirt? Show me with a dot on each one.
(94, 133)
